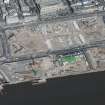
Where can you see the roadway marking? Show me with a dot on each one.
(5, 76)
(76, 25)
(82, 38)
(48, 42)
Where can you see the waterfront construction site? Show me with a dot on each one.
(42, 49)
(54, 49)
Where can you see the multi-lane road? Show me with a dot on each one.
(74, 50)
(74, 16)
(43, 54)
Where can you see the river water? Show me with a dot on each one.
(83, 89)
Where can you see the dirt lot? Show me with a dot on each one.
(93, 29)
(24, 41)
(41, 38)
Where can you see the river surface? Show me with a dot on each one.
(86, 89)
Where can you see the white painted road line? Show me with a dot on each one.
(80, 35)
(5, 76)
(48, 42)
(76, 25)
(82, 38)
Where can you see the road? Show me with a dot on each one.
(78, 49)
(55, 19)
